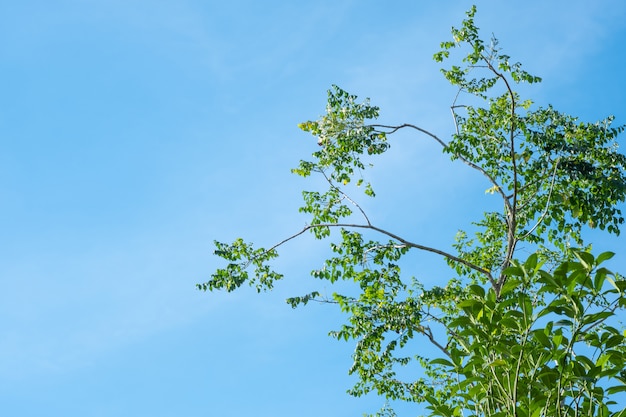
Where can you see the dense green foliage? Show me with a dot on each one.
(513, 334)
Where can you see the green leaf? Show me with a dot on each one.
(442, 361)
(604, 256)
(615, 390)
(542, 338)
(477, 290)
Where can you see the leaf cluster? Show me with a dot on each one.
(546, 346)
(241, 256)
(344, 137)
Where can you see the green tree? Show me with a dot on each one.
(513, 334)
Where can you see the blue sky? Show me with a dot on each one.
(133, 133)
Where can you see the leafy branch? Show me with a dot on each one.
(235, 274)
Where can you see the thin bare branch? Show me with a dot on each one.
(426, 331)
(330, 182)
(433, 250)
(445, 145)
(512, 214)
(454, 106)
(454, 119)
(419, 129)
(407, 243)
(545, 211)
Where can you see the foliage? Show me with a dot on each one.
(513, 335)
(544, 347)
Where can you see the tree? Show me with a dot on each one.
(516, 334)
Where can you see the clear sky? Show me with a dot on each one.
(135, 132)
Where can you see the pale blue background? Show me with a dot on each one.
(134, 132)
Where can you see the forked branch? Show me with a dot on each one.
(461, 158)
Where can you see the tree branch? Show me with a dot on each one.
(461, 158)
(429, 249)
(545, 211)
(512, 217)
(407, 243)
(426, 331)
(354, 203)
(394, 129)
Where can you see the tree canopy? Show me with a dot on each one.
(515, 333)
